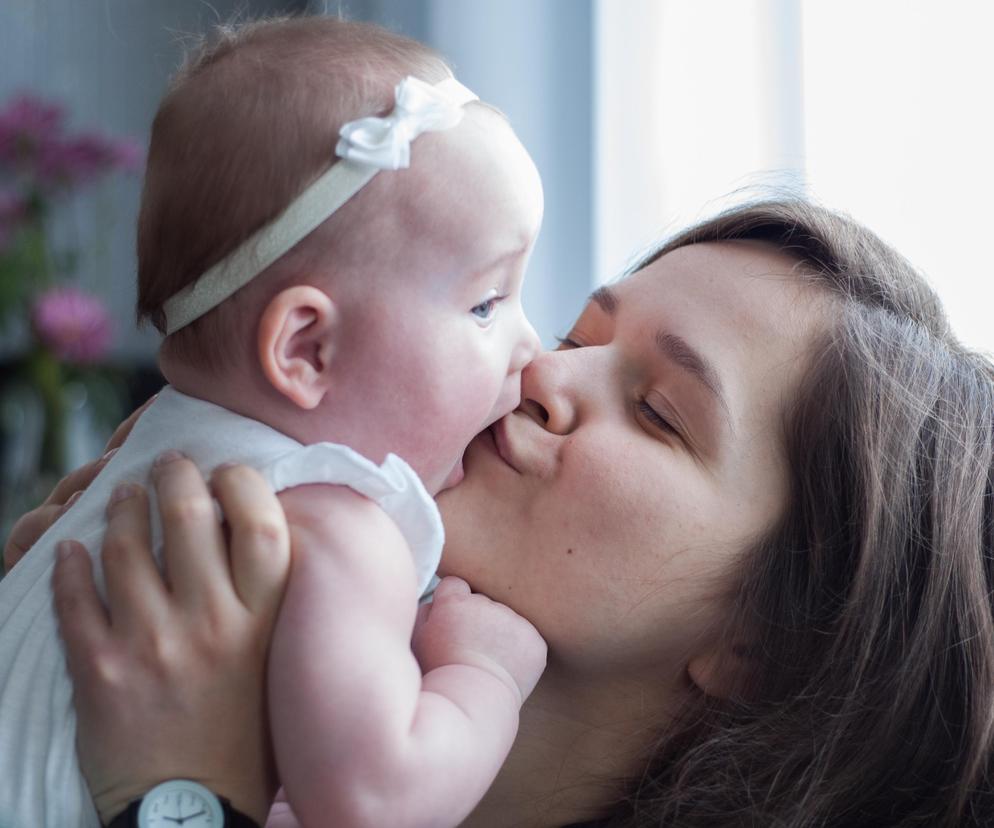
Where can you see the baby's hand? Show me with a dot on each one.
(462, 627)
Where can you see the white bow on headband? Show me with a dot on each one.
(365, 146)
(386, 142)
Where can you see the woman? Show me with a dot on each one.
(749, 506)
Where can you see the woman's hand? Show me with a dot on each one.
(34, 524)
(169, 679)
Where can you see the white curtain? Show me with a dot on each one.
(882, 109)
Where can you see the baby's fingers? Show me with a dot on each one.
(450, 587)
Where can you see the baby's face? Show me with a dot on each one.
(434, 333)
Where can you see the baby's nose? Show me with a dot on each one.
(527, 348)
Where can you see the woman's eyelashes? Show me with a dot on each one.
(643, 407)
(654, 417)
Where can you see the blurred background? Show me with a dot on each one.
(642, 116)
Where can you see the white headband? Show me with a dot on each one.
(365, 146)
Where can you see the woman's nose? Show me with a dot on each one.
(548, 392)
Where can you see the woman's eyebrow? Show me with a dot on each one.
(606, 298)
(677, 350)
(674, 348)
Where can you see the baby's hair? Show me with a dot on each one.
(249, 120)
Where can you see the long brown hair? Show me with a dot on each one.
(870, 699)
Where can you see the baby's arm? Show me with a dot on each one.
(361, 738)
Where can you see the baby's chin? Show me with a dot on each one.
(453, 478)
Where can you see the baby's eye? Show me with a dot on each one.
(486, 310)
(566, 342)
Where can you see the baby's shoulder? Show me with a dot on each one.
(334, 511)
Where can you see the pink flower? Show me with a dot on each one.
(88, 156)
(75, 160)
(26, 124)
(73, 325)
(33, 140)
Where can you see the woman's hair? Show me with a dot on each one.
(868, 607)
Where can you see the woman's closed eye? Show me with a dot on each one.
(566, 342)
(642, 406)
(654, 417)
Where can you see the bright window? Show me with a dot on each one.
(883, 109)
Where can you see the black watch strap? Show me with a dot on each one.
(236, 819)
(128, 818)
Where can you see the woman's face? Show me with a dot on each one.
(645, 456)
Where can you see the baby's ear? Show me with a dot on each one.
(296, 337)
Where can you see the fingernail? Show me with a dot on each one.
(108, 455)
(223, 466)
(72, 499)
(170, 456)
(64, 549)
(122, 492)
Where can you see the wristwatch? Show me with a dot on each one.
(180, 803)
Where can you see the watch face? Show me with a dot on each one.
(180, 804)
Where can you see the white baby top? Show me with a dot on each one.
(41, 785)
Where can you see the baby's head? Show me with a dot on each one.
(396, 325)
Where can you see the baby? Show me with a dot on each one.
(312, 303)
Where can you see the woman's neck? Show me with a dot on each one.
(579, 739)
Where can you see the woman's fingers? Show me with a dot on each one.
(80, 479)
(77, 480)
(35, 523)
(32, 526)
(83, 621)
(67, 491)
(259, 547)
(166, 687)
(194, 550)
(124, 429)
(26, 531)
(134, 587)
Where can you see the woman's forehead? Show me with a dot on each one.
(750, 286)
(740, 307)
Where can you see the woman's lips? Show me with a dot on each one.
(502, 444)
